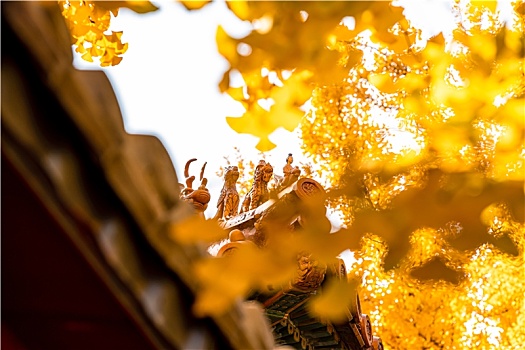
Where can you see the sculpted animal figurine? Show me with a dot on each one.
(259, 191)
(199, 197)
(228, 203)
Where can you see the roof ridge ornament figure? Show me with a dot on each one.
(228, 202)
(259, 193)
(290, 173)
(200, 197)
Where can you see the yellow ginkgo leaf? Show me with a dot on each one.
(80, 48)
(87, 56)
(239, 8)
(194, 4)
(116, 60)
(196, 229)
(265, 144)
(211, 302)
(226, 45)
(227, 279)
(325, 246)
(412, 82)
(236, 93)
(134, 5)
(252, 122)
(97, 50)
(383, 82)
(335, 300)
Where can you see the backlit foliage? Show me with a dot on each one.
(303, 37)
(424, 145)
(89, 22)
(421, 140)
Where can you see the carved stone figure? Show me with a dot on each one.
(199, 197)
(291, 173)
(310, 274)
(287, 169)
(258, 194)
(228, 203)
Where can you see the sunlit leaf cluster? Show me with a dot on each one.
(483, 310)
(293, 47)
(89, 25)
(424, 146)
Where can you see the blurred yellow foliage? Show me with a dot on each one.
(422, 145)
(333, 303)
(195, 230)
(226, 280)
(194, 4)
(424, 148)
(300, 44)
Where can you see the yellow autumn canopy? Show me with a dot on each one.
(421, 143)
